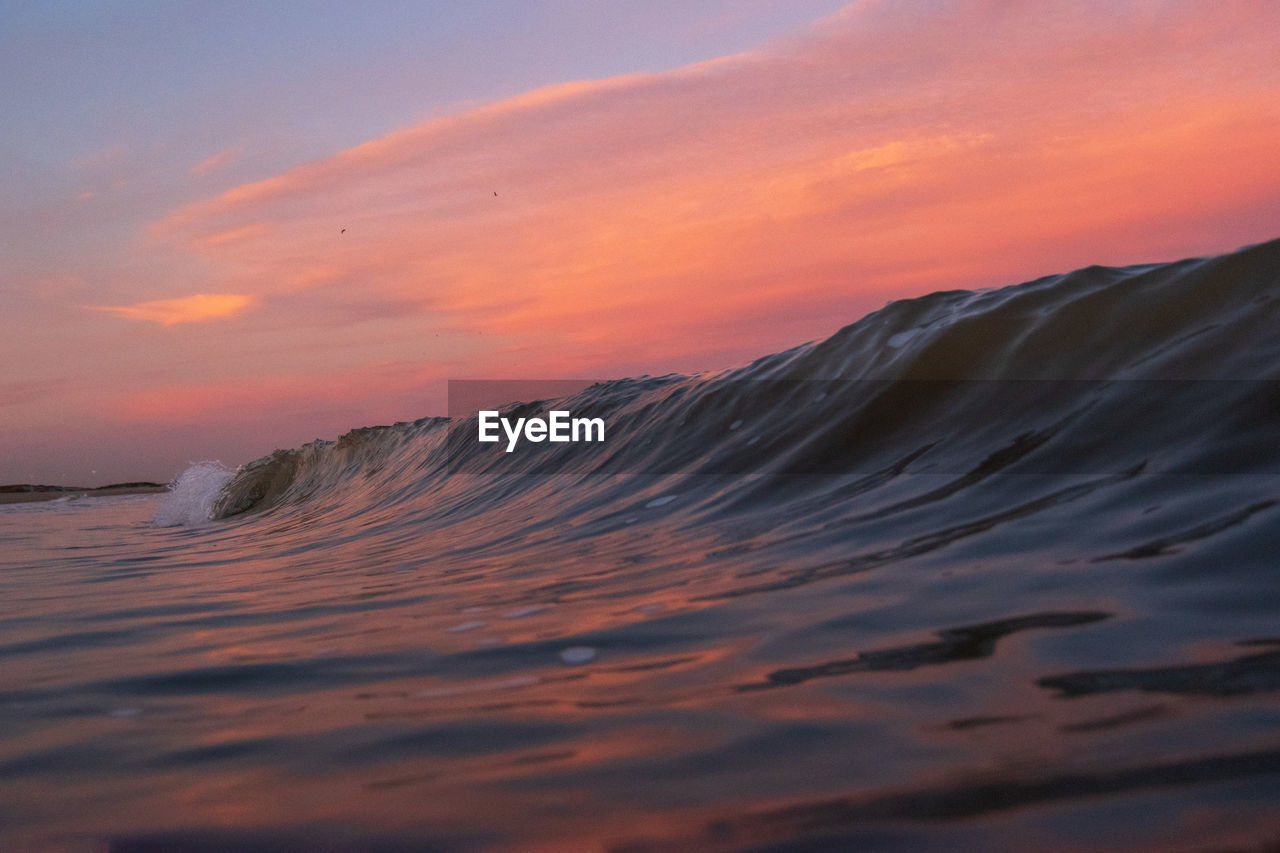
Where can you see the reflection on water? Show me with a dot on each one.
(956, 644)
(251, 685)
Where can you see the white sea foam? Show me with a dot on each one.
(190, 498)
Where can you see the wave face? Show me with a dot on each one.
(1167, 368)
(991, 570)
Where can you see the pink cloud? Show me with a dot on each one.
(215, 162)
(886, 152)
(381, 389)
(189, 309)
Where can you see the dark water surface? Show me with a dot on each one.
(882, 612)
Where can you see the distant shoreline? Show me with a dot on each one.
(25, 492)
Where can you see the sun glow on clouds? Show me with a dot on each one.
(700, 217)
(191, 309)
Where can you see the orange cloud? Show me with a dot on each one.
(700, 216)
(189, 309)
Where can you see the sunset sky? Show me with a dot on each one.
(680, 186)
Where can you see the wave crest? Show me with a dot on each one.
(191, 497)
(890, 391)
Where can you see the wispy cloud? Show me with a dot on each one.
(190, 309)
(215, 162)
(382, 390)
(886, 152)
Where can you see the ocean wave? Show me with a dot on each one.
(1170, 368)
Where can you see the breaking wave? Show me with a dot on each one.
(1165, 368)
(191, 497)
(981, 571)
